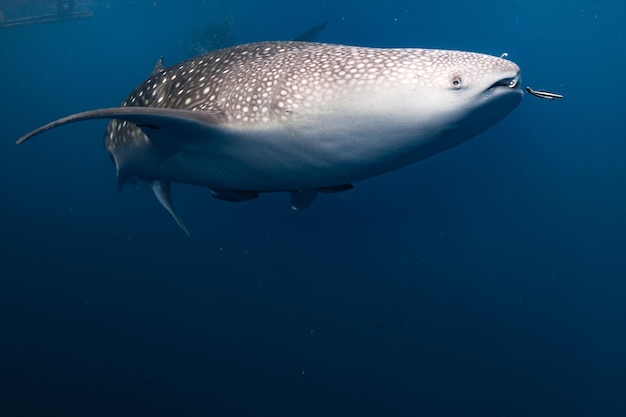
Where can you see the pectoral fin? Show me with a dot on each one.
(167, 128)
(162, 192)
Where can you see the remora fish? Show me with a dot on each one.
(299, 117)
(546, 95)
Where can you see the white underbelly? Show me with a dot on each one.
(340, 142)
(287, 159)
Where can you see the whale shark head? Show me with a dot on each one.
(408, 104)
(300, 117)
(457, 96)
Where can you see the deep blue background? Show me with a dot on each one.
(489, 280)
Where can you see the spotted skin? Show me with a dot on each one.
(257, 84)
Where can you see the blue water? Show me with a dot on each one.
(486, 281)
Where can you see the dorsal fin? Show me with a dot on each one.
(311, 34)
(158, 67)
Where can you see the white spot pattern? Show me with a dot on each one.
(258, 83)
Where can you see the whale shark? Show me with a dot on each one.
(299, 117)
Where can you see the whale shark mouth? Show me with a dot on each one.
(505, 87)
(510, 82)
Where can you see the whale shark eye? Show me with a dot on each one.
(456, 82)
